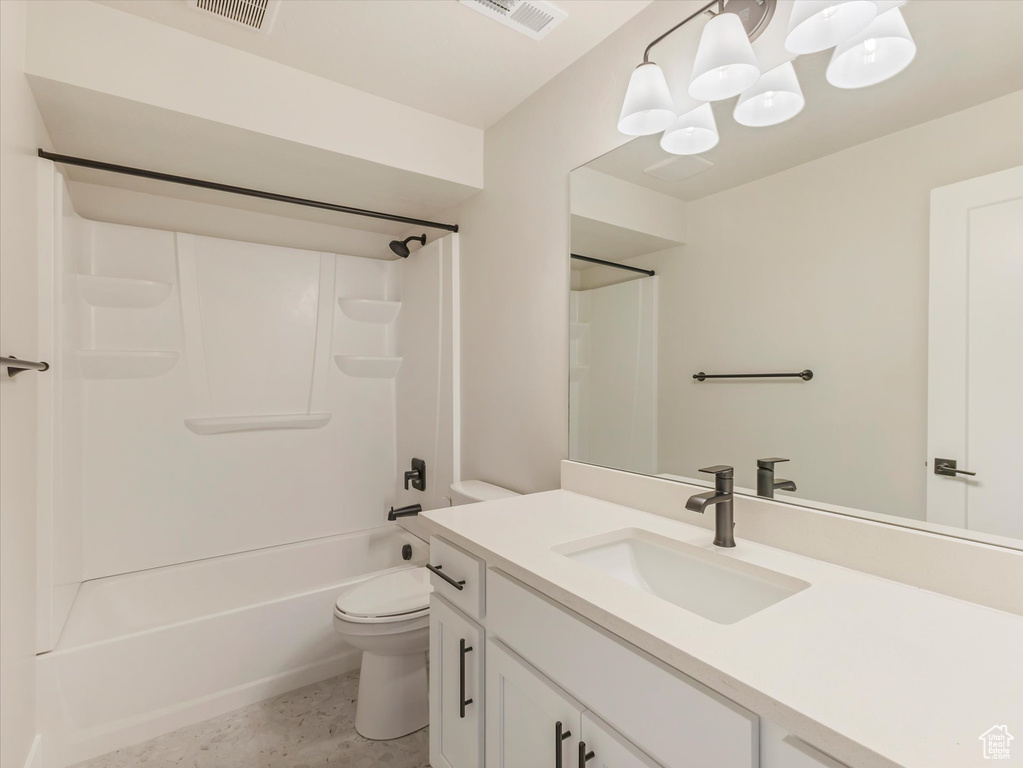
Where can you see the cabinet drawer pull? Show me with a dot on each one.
(462, 701)
(559, 736)
(584, 756)
(459, 585)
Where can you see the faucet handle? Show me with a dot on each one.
(721, 470)
(769, 463)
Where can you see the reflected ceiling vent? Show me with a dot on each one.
(678, 168)
(257, 15)
(533, 18)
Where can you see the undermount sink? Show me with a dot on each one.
(709, 584)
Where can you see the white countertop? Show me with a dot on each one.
(871, 671)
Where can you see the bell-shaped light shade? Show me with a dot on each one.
(775, 98)
(725, 63)
(879, 52)
(648, 106)
(819, 24)
(693, 133)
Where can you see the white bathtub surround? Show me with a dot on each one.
(147, 652)
(387, 617)
(311, 727)
(869, 671)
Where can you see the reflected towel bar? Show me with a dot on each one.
(15, 366)
(804, 375)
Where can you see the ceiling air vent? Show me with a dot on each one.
(533, 18)
(252, 14)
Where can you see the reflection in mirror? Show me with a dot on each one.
(874, 239)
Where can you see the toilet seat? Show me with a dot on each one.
(391, 597)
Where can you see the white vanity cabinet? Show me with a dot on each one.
(457, 654)
(530, 721)
(549, 687)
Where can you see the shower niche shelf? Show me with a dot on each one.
(122, 292)
(100, 364)
(362, 367)
(216, 425)
(370, 310)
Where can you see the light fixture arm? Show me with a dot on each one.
(704, 9)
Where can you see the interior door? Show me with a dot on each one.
(531, 723)
(975, 377)
(456, 685)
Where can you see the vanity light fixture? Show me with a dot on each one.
(693, 133)
(725, 63)
(876, 54)
(775, 98)
(871, 48)
(816, 25)
(648, 106)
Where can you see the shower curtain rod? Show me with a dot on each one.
(157, 176)
(616, 265)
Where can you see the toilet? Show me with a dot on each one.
(387, 617)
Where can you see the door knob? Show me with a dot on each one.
(947, 467)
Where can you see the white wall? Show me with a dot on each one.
(828, 271)
(515, 274)
(21, 132)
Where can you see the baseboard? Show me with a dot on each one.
(69, 748)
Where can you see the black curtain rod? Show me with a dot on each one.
(157, 176)
(616, 265)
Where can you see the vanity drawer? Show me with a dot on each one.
(674, 719)
(459, 577)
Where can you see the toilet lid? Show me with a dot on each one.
(391, 594)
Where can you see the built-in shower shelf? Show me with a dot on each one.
(364, 367)
(577, 372)
(122, 292)
(215, 425)
(370, 310)
(578, 329)
(125, 364)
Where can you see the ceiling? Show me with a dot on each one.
(433, 55)
(968, 52)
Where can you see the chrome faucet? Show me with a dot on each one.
(721, 499)
(766, 484)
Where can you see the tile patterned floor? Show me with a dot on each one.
(311, 727)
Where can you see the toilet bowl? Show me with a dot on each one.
(387, 617)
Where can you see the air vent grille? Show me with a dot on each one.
(254, 14)
(533, 18)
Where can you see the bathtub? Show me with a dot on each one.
(144, 653)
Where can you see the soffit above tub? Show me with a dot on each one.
(434, 55)
(968, 52)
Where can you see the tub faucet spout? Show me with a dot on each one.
(409, 511)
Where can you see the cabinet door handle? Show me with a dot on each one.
(462, 701)
(584, 756)
(459, 585)
(559, 736)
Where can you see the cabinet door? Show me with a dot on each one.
(456, 688)
(531, 723)
(609, 749)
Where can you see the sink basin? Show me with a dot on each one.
(709, 584)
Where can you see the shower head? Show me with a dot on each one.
(400, 247)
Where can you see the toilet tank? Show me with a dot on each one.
(471, 491)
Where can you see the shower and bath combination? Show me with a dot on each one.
(400, 247)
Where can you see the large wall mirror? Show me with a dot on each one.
(867, 252)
